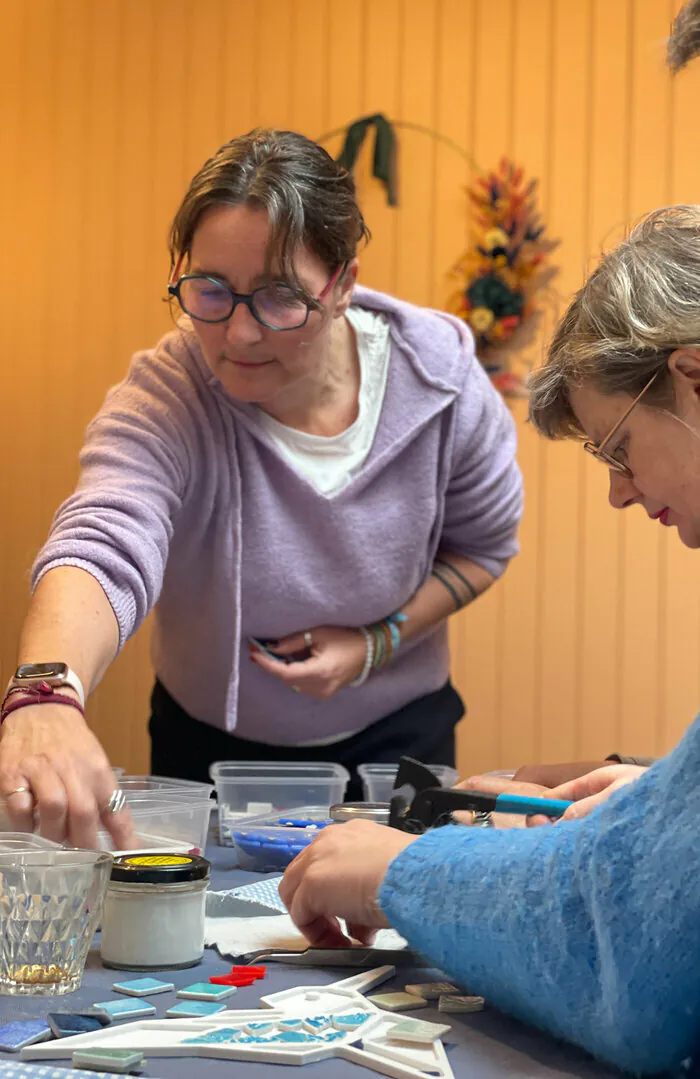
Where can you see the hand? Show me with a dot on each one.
(501, 785)
(339, 876)
(337, 658)
(590, 790)
(51, 750)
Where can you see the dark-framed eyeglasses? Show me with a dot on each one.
(276, 306)
(597, 449)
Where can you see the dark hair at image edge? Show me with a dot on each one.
(684, 42)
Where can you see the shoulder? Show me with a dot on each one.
(164, 384)
(438, 345)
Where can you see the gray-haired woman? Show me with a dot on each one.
(591, 928)
(302, 470)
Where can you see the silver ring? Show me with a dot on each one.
(308, 639)
(116, 802)
(18, 790)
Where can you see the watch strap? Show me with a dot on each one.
(71, 679)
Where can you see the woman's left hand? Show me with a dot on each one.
(339, 876)
(337, 658)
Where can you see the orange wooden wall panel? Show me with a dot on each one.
(592, 640)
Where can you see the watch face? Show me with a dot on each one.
(30, 671)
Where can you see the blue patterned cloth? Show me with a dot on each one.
(588, 929)
(17, 1070)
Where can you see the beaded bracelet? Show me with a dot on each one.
(382, 640)
(369, 659)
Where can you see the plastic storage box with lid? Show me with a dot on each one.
(269, 843)
(19, 842)
(378, 779)
(247, 789)
(160, 786)
(163, 821)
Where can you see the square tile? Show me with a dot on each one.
(66, 1024)
(418, 1030)
(125, 1009)
(108, 1060)
(194, 1009)
(398, 1002)
(461, 1004)
(15, 1036)
(206, 991)
(431, 990)
(142, 987)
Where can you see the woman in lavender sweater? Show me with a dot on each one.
(591, 928)
(300, 461)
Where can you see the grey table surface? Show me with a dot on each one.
(480, 1046)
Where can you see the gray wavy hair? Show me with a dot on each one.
(640, 304)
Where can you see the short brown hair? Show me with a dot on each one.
(309, 198)
(640, 304)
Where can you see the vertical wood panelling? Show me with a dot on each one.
(592, 641)
(518, 661)
(560, 538)
(478, 636)
(606, 211)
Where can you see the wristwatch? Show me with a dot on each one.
(54, 674)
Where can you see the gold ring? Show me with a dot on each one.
(295, 689)
(18, 790)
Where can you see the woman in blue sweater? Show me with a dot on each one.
(589, 929)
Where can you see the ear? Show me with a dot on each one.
(684, 365)
(345, 288)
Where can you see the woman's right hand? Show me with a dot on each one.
(51, 750)
(590, 790)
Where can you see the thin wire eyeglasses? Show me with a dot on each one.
(596, 449)
(276, 306)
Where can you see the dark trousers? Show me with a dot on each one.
(183, 747)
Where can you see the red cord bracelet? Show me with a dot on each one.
(22, 697)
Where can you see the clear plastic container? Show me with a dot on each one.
(378, 779)
(19, 842)
(167, 824)
(249, 789)
(267, 844)
(158, 786)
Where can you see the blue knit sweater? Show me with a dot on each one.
(589, 929)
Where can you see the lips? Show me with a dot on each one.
(661, 516)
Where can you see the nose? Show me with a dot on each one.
(623, 491)
(242, 328)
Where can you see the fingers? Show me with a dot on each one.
(50, 800)
(119, 825)
(364, 933)
(288, 646)
(307, 676)
(18, 803)
(537, 820)
(499, 785)
(587, 785)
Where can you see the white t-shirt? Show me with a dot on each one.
(329, 462)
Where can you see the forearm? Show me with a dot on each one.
(588, 929)
(70, 620)
(444, 593)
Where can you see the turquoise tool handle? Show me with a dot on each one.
(520, 803)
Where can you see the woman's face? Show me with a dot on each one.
(254, 363)
(661, 449)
